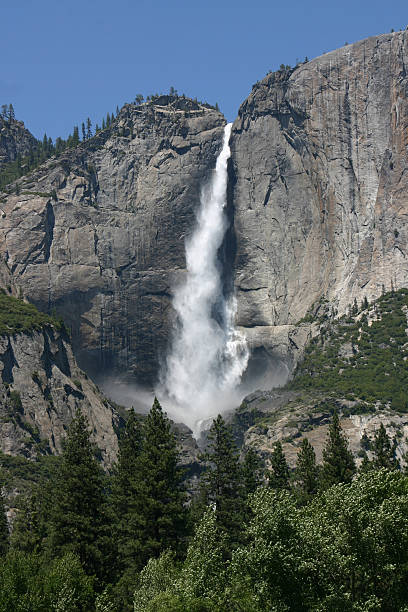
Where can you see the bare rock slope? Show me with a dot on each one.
(41, 388)
(319, 188)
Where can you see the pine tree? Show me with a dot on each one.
(88, 128)
(83, 131)
(251, 471)
(384, 450)
(279, 473)
(338, 462)
(125, 489)
(77, 519)
(156, 512)
(4, 530)
(75, 136)
(306, 469)
(221, 482)
(103, 124)
(11, 115)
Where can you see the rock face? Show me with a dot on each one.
(41, 388)
(318, 188)
(15, 140)
(98, 234)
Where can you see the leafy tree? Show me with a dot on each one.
(222, 484)
(279, 473)
(77, 519)
(338, 462)
(306, 469)
(384, 450)
(28, 584)
(204, 573)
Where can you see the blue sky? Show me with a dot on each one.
(64, 61)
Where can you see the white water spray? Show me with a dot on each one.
(208, 355)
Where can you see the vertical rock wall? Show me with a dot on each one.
(319, 189)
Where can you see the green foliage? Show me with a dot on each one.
(376, 369)
(17, 316)
(148, 497)
(279, 473)
(221, 481)
(306, 470)
(4, 530)
(204, 571)
(157, 577)
(77, 520)
(338, 463)
(27, 584)
(251, 471)
(384, 450)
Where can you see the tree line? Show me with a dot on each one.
(249, 538)
(46, 148)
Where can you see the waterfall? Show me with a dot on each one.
(208, 355)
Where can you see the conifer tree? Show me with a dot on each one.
(125, 489)
(83, 131)
(384, 450)
(279, 473)
(88, 128)
(4, 530)
(338, 462)
(251, 471)
(222, 486)
(306, 469)
(11, 115)
(156, 516)
(77, 518)
(75, 136)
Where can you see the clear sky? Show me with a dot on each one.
(62, 61)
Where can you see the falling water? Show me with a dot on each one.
(208, 355)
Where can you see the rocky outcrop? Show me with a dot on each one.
(98, 234)
(41, 388)
(265, 418)
(318, 188)
(15, 140)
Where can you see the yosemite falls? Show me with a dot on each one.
(208, 355)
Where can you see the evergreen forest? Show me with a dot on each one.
(327, 537)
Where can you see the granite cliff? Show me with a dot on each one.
(98, 233)
(318, 188)
(41, 387)
(316, 200)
